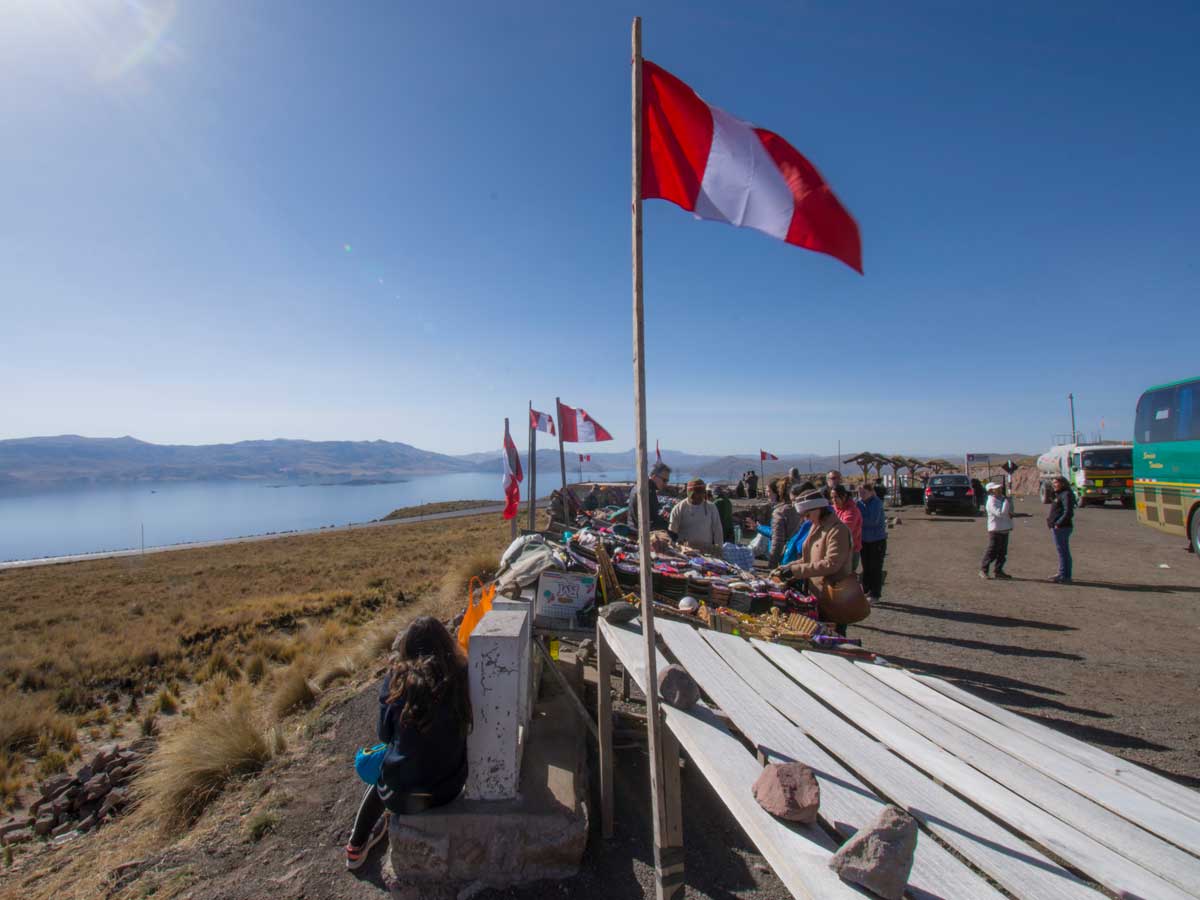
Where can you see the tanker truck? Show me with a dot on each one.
(1097, 473)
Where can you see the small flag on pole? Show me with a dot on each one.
(763, 455)
(723, 169)
(513, 476)
(585, 457)
(657, 452)
(540, 421)
(577, 427)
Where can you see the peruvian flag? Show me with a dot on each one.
(763, 456)
(577, 427)
(721, 168)
(585, 457)
(540, 421)
(657, 452)
(512, 476)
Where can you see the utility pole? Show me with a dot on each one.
(1071, 400)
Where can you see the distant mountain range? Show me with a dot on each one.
(70, 459)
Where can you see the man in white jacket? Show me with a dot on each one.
(999, 524)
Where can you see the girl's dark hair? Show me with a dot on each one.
(431, 671)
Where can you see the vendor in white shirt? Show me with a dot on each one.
(1000, 523)
(695, 521)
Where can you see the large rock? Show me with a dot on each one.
(880, 856)
(618, 612)
(18, 837)
(789, 791)
(677, 688)
(15, 823)
(44, 824)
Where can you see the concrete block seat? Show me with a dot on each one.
(541, 833)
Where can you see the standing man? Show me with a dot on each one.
(695, 521)
(752, 484)
(999, 518)
(725, 509)
(785, 522)
(832, 480)
(1061, 521)
(874, 541)
(659, 476)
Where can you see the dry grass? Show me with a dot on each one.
(10, 781)
(338, 670)
(293, 692)
(481, 562)
(80, 635)
(194, 763)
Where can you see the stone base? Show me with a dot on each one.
(470, 844)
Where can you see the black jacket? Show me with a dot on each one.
(658, 522)
(1062, 510)
(431, 762)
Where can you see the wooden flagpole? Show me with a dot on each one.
(562, 462)
(513, 521)
(668, 826)
(532, 471)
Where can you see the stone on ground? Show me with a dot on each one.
(880, 855)
(677, 688)
(789, 791)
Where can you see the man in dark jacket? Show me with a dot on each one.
(1061, 521)
(659, 476)
(751, 484)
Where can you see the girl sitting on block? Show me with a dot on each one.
(424, 719)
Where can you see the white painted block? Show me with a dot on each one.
(499, 673)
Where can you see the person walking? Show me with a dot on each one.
(1061, 522)
(999, 526)
(874, 541)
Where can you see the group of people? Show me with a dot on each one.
(747, 485)
(1060, 519)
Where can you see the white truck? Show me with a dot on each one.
(1097, 473)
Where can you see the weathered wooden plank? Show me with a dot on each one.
(604, 724)
(846, 803)
(1135, 806)
(1076, 848)
(1153, 785)
(1120, 835)
(799, 855)
(1020, 868)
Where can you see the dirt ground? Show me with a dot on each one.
(1110, 659)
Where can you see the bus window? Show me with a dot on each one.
(1187, 428)
(1156, 417)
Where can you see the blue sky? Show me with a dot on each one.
(404, 221)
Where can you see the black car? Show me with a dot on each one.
(950, 493)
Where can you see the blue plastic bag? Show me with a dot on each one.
(368, 762)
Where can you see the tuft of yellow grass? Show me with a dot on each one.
(256, 668)
(335, 671)
(481, 562)
(195, 762)
(167, 703)
(293, 692)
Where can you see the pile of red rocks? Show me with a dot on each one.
(79, 802)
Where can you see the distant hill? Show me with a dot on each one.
(70, 459)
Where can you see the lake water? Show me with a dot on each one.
(95, 519)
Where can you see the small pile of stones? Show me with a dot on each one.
(79, 802)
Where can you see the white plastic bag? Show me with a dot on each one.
(761, 546)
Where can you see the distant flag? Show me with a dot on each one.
(513, 476)
(585, 457)
(657, 452)
(763, 455)
(721, 168)
(577, 427)
(540, 421)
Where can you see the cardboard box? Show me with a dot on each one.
(562, 594)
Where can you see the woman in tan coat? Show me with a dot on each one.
(826, 563)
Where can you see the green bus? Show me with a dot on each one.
(1166, 459)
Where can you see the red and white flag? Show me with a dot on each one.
(657, 452)
(575, 426)
(540, 421)
(512, 476)
(763, 455)
(585, 457)
(721, 168)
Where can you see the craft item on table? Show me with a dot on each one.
(610, 586)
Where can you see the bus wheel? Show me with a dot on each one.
(1195, 530)
(1045, 489)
